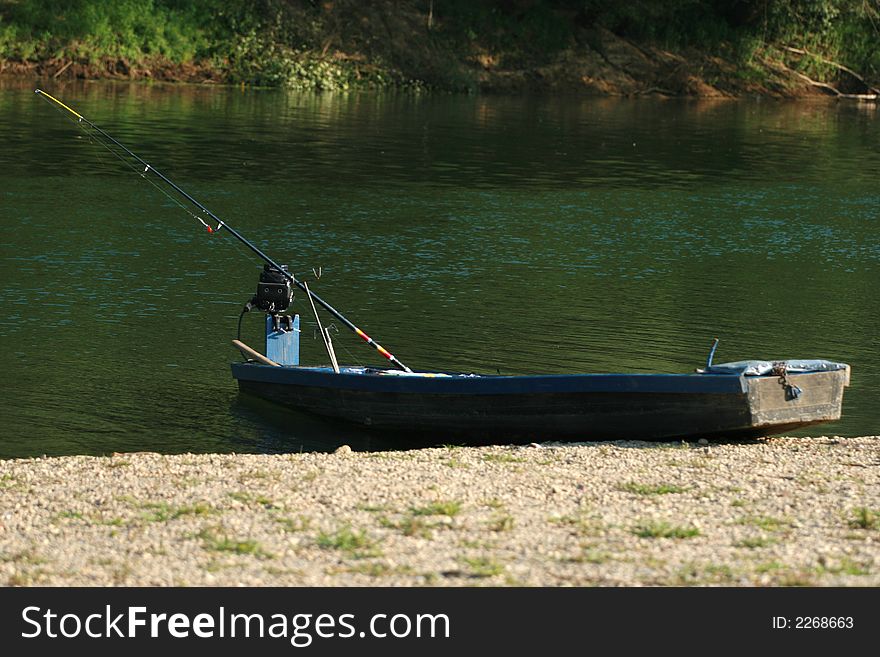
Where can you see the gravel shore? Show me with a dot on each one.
(777, 512)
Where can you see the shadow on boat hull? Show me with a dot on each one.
(587, 407)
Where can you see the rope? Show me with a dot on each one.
(792, 392)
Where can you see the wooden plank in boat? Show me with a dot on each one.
(253, 353)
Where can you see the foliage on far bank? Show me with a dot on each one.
(446, 44)
(827, 31)
(262, 42)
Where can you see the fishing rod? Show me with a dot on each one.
(223, 225)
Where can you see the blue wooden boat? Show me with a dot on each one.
(747, 399)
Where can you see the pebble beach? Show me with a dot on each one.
(774, 512)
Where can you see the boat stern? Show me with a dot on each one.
(790, 401)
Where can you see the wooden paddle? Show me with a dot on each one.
(251, 353)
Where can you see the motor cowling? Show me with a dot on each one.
(274, 292)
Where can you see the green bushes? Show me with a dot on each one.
(845, 31)
(349, 43)
(89, 30)
(84, 29)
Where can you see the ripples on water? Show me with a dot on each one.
(482, 234)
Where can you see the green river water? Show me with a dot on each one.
(520, 235)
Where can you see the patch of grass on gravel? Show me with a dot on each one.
(408, 526)
(477, 545)
(503, 458)
(864, 518)
(845, 566)
(369, 568)
(299, 524)
(373, 569)
(214, 566)
(373, 508)
(589, 554)
(29, 578)
(121, 574)
(767, 523)
(580, 523)
(693, 573)
(247, 498)
(501, 523)
(781, 575)
(654, 529)
(753, 542)
(438, 509)
(69, 515)
(252, 474)
(414, 526)
(483, 566)
(163, 512)
(27, 556)
(355, 543)
(274, 570)
(796, 578)
(768, 567)
(649, 489)
(215, 543)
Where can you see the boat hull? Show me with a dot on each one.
(483, 409)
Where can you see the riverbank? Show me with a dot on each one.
(611, 66)
(606, 66)
(780, 512)
(494, 47)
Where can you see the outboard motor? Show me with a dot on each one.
(274, 293)
(274, 296)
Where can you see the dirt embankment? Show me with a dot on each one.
(611, 65)
(113, 69)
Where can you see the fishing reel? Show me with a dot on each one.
(274, 292)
